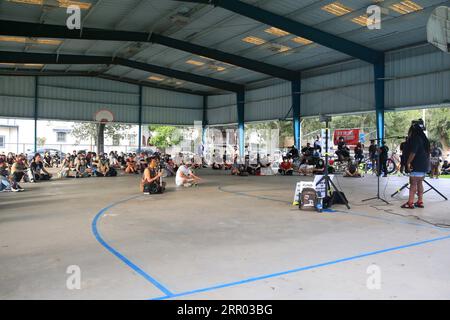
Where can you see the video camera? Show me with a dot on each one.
(419, 124)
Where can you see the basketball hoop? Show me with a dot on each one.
(104, 116)
(438, 28)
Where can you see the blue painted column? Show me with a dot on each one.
(296, 98)
(241, 113)
(140, 120)
(36, 111)
(204, 119)
(379, 74)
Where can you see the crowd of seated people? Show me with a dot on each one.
(15, 169)
(445, 170)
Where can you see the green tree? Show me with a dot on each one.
(165, 136)
(438, 126)
(98, 132)
(397, 124)
(41, 141)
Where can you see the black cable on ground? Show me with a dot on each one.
(390, 211)
(387, 211)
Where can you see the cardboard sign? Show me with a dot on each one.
(321, 187)
(351, 136)
(299, 188)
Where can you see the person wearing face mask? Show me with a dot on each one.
(18, 170)
(38, 169)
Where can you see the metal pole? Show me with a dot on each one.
(241, 120)
(296, 87)
(205, 119)
(36, 105)
(140, 120)
(379, 74)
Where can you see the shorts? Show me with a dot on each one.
(417, 174)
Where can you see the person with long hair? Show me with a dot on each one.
(417, 163)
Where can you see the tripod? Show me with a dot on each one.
(325, 177)
(406, 185)
(378, 168)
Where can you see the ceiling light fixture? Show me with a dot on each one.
(301, 40)
(195, 62)
(254, 40)
(59, 3)
(277, 32)
(24, 40)
(155, 78)
(336, 8)
(405, 7)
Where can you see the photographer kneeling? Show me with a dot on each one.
(151, 180)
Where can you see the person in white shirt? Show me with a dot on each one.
(185, 177)
(178, 160)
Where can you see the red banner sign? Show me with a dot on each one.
(351, 136)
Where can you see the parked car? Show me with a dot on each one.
(52, 152)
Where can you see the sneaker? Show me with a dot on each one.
(14, 190)
(147, 193)
(18, 187)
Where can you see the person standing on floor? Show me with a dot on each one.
(417, 163)
(384, 150)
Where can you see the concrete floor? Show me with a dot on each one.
(230, 238)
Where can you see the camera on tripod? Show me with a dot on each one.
(419, 124)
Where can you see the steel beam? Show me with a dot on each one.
(27, 29)
(321, 37)
(46, 58)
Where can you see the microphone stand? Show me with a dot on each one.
(378, 196)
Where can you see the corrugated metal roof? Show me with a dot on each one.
(221, 29)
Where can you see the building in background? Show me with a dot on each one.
(17, 135)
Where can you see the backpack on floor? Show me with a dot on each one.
(336, 199)
(308, 199)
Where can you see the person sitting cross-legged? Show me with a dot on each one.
(81, 170)
(65, 167)
(352, 171)
(185, 177)
(445, 168)
(286, 167)
(131, 166)
(38, 169)
(151, 179)
(18, 170)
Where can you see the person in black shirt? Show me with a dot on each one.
(436, 154)
(359, 153)
(317, 146)
(418, 163)
(343, 152)
(383, 159)
(373, 154)
(445, 168)
(293, 153)
(404, 151)
(38, 170)
(307, 151)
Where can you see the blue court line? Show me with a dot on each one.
(314, 266)
(169, 294)
(124, 259)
